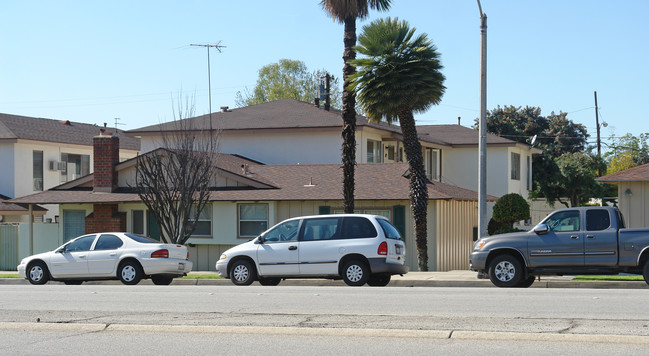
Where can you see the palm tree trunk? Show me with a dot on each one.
(418, 188)
(349, 117)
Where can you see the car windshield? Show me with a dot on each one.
(142, 239)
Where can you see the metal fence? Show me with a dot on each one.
(9, 247)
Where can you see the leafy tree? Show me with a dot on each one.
(346, 12)
(401, 74)
(555, 135)
(287, 79)
(174, 180)
(511, 208)
(620, 163)
(634, 146)
(577, 178)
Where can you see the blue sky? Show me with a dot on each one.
(94, 61)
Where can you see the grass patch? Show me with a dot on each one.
(202, 276)
(9, 275)
(609, 278)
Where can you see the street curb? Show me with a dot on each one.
(477, 283)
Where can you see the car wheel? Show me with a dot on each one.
(129, 272)
(72, 282)
(355, 273)
(645, 272)
(525, 283)
(242, 273)
(505, 271)
(37, 273)
(269, 281)
(162, 280)
(380, 280)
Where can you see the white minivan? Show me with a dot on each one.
(358, 248)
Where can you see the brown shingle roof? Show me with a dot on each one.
(291, 113)
(17, 209)
(639, 173)
(289, 182)
(48, 130)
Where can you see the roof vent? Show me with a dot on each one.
(310, 183)
(224, 108)
(244, 169)
(66, 122)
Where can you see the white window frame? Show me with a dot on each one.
(239, 220)
(516, 166)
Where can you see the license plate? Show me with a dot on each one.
(398, 250)
(181, 266)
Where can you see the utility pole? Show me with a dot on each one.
(209, 76)
(599, 142)
(482, 142)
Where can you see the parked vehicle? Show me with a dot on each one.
(358, 248)
(586, 240)
(110, 255)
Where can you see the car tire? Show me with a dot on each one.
(526, 283)
(505, 271)
(130, 272)
(161, 280)
(242, 273)
(379, 280)
(355, 273)
(645, 272)
(37, 273)
(72, 282)
(272, 281)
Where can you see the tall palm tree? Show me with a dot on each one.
(346, 12)
(398, 76)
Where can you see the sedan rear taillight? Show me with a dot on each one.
(164, 253)
(383, 248)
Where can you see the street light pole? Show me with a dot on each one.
(482, 142)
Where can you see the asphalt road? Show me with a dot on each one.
(326, 319)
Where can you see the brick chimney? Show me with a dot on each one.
(106, 157)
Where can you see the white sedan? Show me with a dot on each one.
(113, 255)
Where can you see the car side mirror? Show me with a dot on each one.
(259, 240)
(541, 229)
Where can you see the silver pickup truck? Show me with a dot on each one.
(586, 240)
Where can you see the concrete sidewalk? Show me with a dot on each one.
(461, 278)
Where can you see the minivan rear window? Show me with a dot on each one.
(390, 231)
(357, 228)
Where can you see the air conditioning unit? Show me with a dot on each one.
(57, 166)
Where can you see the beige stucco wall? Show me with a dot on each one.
(635, 206)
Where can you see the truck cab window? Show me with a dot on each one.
(597, 220)
(563, 221)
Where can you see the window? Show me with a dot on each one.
(204, 223)
(529, 173)
(321, 229)
(286, 231)
(357, 228)
(597, 220)
(431, 164)
(75, 166)
(80, 244)
(516, 166)
(38, 170)
(563, 221)
(138, 222)
(373, 151)
(108, 242)
(253, 219)
(389, 230)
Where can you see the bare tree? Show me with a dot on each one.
(174, 180)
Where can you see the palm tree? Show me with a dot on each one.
(398, 76)
(346, 12)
